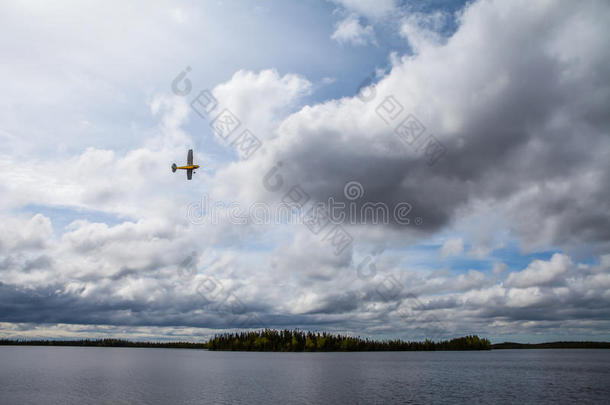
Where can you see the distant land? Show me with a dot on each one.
(552, 345)
(103, 343)
(300, 341)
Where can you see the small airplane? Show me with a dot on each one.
(189, 166)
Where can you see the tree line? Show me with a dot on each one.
(301, 341)
(102, 343)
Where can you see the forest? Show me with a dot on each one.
(102, 343)
(301, 341)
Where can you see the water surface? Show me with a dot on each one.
(85, 375)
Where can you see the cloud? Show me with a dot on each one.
(423, 30)
(518, 97)
(452, 247)
(261, 99)
(373, 9)
(512, 115)
(133, 275)
(350, 31)
(20, 235)
(541, 273)
(499, 268)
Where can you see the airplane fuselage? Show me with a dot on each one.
(190, 167)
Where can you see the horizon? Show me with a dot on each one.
(99, 339)
(381, 169)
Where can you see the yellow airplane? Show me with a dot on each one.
(189, 166)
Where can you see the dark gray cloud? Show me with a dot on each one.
(516, 115)
(372, 307)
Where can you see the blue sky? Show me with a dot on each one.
(508, 228)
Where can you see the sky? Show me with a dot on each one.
(386, 169)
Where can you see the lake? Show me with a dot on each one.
(85, 375)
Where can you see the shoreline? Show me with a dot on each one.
(204, 346)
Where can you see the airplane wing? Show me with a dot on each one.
(189, 174)
(189, 159)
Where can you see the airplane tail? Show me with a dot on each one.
(174, 168)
